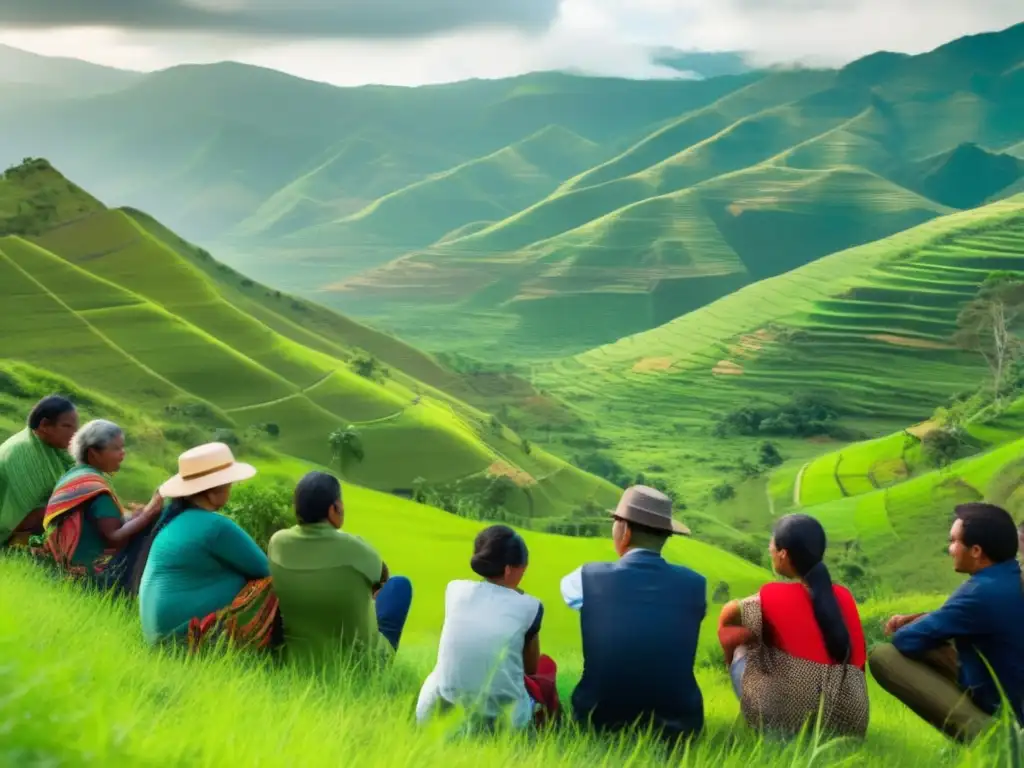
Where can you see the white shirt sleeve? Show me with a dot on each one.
(572, 589)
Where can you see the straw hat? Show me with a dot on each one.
(205, 467)
(651, 508)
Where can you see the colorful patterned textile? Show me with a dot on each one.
(251, 621)
(65, 516)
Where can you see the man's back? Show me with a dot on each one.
(323, 579)
(640, 620)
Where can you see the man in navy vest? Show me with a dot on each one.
(640, 619)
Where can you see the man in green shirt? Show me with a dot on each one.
(334, 589)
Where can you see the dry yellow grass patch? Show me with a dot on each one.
(727, 368)
(517, 476)
(648, 364)
(907, 341)
(923, 429)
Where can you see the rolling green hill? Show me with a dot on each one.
(115, 302)
(867, 332)
(788, 168)
(588, 207)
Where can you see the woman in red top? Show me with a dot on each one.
(796, 647)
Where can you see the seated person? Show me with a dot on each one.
(88, 532)
(489, 661)
(205, 579)
(640, 618)
(334, 590)
(935, 663)
(31, 463)
(801, 640)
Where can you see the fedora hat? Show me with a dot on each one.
(204, 467)
(650, 508)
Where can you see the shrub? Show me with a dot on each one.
(226, 436)
(721, 593)
(806, 415)
(272, 429)
(942, 447)
(723, 492)
(769, 455)
(262, 510)
(365, 365)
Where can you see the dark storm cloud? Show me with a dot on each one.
(283, 18)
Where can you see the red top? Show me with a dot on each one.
(790, 626)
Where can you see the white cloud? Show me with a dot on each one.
(598, 36)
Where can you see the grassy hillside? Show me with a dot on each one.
(141, 705)
(789, 168)
(547, 208)
(215, 149)
(115, 302)
(865, 333)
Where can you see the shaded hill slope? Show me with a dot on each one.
(116, 303)
(871, 149)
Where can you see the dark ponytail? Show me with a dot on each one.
(803, 538)
(495, 549)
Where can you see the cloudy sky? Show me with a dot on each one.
(351, 42)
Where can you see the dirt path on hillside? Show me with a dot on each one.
(798, 484)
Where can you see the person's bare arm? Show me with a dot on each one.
(731, 616)
(531, 655)
(116, 533)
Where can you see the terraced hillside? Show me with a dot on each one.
(115, 302)
(868, 331)
(883, 497)
(789, 168)
(586, 208)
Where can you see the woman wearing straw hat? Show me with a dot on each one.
(205, 577)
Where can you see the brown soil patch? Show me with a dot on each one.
(922, 430)
(518, 476)
(727, 368)
(648, 364)
(907, 341)
(820, 440)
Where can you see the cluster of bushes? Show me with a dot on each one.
(603, 465)
(367, 366)
(262, 509)
(806, 415)
(475, 498)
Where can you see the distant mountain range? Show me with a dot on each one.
(547, 213)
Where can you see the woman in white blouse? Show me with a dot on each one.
(489, 663)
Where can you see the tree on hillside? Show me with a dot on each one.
(346, 448)
(988, 326)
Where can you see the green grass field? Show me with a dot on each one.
(69, 699)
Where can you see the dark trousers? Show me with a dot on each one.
(393, 601)
(930, 688)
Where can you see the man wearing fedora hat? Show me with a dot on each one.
(640, 618)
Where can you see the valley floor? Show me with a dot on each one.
(80, 688)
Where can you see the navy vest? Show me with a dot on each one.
(640, 621)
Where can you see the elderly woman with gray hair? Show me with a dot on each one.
(88, 532)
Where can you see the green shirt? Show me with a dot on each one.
(91, 543)
(196, 566)
(29, 470)
(323, 579)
